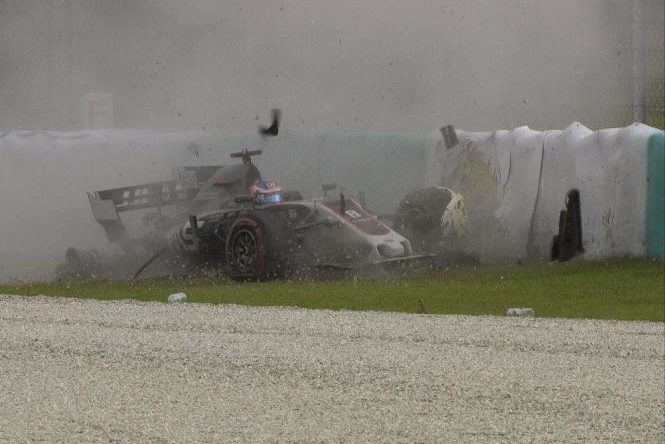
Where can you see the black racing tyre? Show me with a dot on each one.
(421, 210)
(419, 217)
(256, 246)
(80, 265)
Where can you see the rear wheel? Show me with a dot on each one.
(258, 247)
(245, 249)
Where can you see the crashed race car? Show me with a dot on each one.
(279, 234)
(230, 220)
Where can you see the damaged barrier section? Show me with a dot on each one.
(515, 182)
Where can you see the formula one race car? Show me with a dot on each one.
(228, 219)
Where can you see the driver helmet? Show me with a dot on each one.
(266, 191)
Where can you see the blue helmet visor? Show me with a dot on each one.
(273, 198)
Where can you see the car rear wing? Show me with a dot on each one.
(107, 204)
(150, 195)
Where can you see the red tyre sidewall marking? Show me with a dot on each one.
(260, 243)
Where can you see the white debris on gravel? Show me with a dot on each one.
(81, 371)
(177, 297)
(519, 311)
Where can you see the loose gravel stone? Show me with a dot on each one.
(89, 371)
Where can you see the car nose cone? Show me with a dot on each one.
(391, 249)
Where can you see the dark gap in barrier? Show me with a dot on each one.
(568, 242)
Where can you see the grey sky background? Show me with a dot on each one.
(364, 65)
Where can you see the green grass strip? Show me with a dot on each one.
(626, 289)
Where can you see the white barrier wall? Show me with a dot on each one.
(608, 167)
(515, 182)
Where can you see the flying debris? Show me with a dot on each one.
(449, 136)
(273, 129)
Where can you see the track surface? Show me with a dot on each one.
(89, 371)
